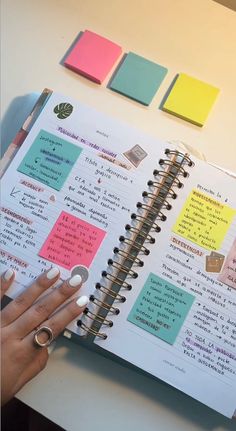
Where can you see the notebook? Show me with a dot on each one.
(150, 229)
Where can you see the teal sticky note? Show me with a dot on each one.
(49, 159)
(161, 308)
(138, 78)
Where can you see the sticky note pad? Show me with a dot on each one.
(161, 308)
(93, 56)
(191, 99)
(138, 78)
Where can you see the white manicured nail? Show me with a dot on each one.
(53, 272)
(75, 280)
(82, 301)
(8, 274)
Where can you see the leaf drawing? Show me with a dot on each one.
(63, 110)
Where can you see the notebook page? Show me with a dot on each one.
(70, 191)
(178, 322)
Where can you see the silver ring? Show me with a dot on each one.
(49, 333)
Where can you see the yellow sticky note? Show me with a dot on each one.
(204, 220)
(191, 99)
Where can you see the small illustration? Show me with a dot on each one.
(135, 155)
(52, 198)
(82, 271)
(214, 262)
(63, 110)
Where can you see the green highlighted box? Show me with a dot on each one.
(49, 159)
(161, 308)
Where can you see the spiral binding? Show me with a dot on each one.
(163, 174)
(133, 259)
(148, 213)
(169, 192)
(110, 292)
(147, 237)
(124, 268)
(153, 226)
(104, 305)
(97, 317)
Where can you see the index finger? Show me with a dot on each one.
(6, 280)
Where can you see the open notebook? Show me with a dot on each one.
(154, 228)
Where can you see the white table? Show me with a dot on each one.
(80, 389)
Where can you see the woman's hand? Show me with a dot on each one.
(21, 357)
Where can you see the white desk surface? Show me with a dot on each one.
(80, 390)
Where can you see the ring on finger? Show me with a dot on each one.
(43, 330)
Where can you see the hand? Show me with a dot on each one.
(21, 358)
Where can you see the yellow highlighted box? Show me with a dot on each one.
(204, 220)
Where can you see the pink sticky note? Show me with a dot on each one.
(72, 241)
(93, 56)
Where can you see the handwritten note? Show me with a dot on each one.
(228, 274)
(49, 159)
(72, 241)
(204, 220)
(161, 308)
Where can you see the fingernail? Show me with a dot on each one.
(75, 280)
(82, 301)
(8, 274)
(53, 272)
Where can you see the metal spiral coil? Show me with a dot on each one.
(133, 259)
(184, 156)
(146, 237)
(110, 292)
(98, 318)
(137, 246)
(161, 188)
(149, 208)
(90, 330)
(163, 174)
(153, 226)
(170, 163)
(165, 204)
(169, 192)
(116, 280)
(104, 305)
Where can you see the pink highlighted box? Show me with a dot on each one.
(93, 56)
(72, 242)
